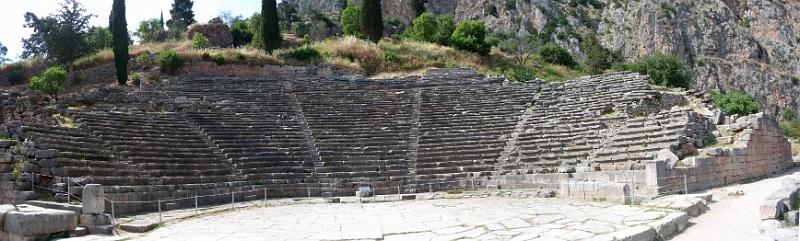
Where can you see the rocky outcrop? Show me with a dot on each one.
(731, 45)
(218, 34)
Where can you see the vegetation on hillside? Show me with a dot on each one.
(428, 41)
(119, 28)
(50, 82)
(735, 103)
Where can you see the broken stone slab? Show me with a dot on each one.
(670, 225)
(668, 156)
(93, 199)
(27, 220)
(139, 226)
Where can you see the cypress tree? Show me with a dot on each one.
(270, 31)
(181, 15)
(418, 6)
(119, 31)
(372, 20)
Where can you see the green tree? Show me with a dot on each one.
(98, 38)
(663, 69)
(270, 31)
(471, 36)
(521, 47)
(446, 26)
(287, 14)
(254, 24)
(50, 82)
(149, 31)
(735, 103)
(372, 20)
(181, 15)
(119, 27)
(598, 58)
(425, 28)
(3, 52)
(242, 35)
(555, 54)
(418, 6)
(350, 20)
(199, 41)
(59, 36)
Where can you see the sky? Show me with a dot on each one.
(12, 14)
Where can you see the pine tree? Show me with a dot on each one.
(119, 30)
(181, 15)
(418, 6)
(372, 20)
(270, 31)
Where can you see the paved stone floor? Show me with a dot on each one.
(443, 219)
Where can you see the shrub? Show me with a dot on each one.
(555, 54)
(390, 57)
(470, 36)
(136, 78)
(521, 74)
(145, 60)
(219, 59)
(206, 56)
(50, 82)
(663, 69)
(238, 56)
(789, 114)
(490, 10)
(169, 60)
(242, 35)
(598, 58)
(735, 103)
(199, 41)
(791, 128)
(302, 54)
(511, 4)
(16, 77)
(795, 80)
(424, 28)
(350, 20)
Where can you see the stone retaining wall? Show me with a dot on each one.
(759, 150)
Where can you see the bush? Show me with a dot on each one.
(50, 82)
(555, 54)
(302, 54)
(242, 35)
(791, 129)
(144, 59)
(424, 28)
(663, 69)
(789, 114)
(136, 78)
(219, 59)
(521, 74)
(238, 56)
(199, 41)
(350, 20)
(206, 56)
(16, 77)
(735, 103)
(470, 36)
(598, 58)
(169, 60)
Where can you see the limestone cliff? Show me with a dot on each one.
(750, 45)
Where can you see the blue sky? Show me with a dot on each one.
(12, 20)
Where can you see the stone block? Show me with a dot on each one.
(101, 229)
(30, 221)
(655, 173)
(772, 209)
(88, 220)
(139, 226)
(7, 143)
(670, 225)
(78, 232)
(45, 154)
(93, 199)
(408, 197)
(364, 192)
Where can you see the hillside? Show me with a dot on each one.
(730, 44)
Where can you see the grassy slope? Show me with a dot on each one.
(388, 58)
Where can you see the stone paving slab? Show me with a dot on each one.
(492, 218)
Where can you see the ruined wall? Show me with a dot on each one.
(210, 69)
(759, 150)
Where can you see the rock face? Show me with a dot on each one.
(218, 34)
(731, 45)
